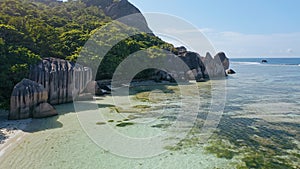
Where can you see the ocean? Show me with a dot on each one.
(272, 61)
(257, 125)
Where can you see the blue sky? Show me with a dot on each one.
(267, 28)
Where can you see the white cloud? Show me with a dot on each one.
(289, 51)
(237, 44)
(206, 30)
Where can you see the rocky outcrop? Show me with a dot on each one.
(43, 110)
(203, 67)
(193, 61)
(223, 59)
(93, 88)
(62, 80)
(29, 100)
(214, 68)
(230, 71)
(200, 68)
(53, 81)
(264, 61)
(122, 8)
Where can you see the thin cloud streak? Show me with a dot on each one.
(237, 44)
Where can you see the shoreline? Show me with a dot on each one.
(11, 131)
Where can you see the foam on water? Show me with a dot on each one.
(248, 63)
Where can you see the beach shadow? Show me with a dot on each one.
(63, 109)
(43, 124)
(105, 105)
(50, 122)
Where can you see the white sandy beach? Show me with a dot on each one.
(11, 131)
(63, 143)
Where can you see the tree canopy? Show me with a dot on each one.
(34, 29)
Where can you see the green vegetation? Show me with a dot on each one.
(161, 125)
(242, 139)
(100, 123)
(114, 109)
(141, 107)
(105, 105)
(121, 110)
(132, 117)
(34, 29)
(221, 149)
(143, 96)
(124, 124)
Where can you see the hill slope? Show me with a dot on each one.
(33, 29)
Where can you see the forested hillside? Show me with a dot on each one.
(33, 29)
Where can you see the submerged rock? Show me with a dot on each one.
(29, 99)
(230, 71)
(264, 61)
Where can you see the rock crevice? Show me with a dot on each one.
(62, 80)
(52, 81)
(200, 68)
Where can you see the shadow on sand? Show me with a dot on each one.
(50, 122)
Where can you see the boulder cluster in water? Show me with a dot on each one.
(200, 68)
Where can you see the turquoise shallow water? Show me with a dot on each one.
(259, 127)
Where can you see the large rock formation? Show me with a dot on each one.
(62, 80)
(203, 67)
(200, 68)
(194, 62)
(29, 99)
(120, 8)
(214, 68)
(93, 88)
(223, 59)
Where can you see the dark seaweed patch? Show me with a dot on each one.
(124, 124)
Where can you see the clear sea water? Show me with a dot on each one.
(273, 61)
(259, 126)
